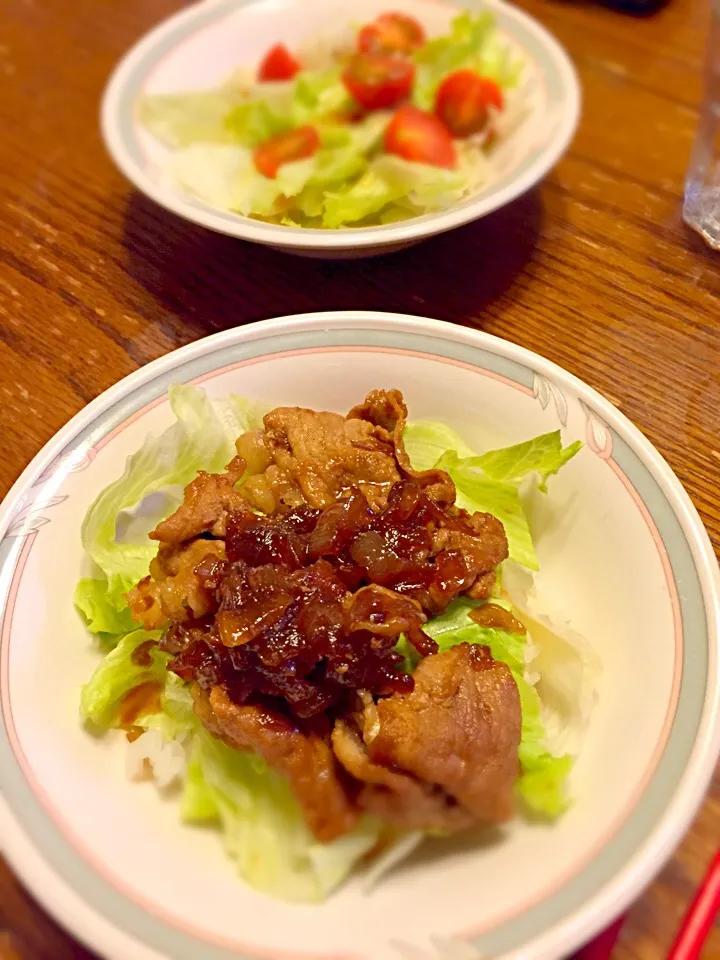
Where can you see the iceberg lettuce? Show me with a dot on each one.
(350, 181)
(202, 438)
(491, 483)
(473, 43)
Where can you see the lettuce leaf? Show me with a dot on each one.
(476, 493)
(181, 119)
(317, 95)
(256, 120)
(542, 785)
(542, 456)
(261, 821)
(262, 824)
(100, 611)
(492, 482)
(427, 440)
(312, 98)
(117, 674)
(473, 44)
(202, 438)
(225, 176)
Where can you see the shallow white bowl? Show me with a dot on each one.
(626, 561)
(200, 47)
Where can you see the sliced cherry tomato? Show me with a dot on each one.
(391, 33)
(286, 147)
(462, 101)
(377, 80)
(278, 64)
(416, 135)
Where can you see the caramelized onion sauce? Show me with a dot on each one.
(310, 604)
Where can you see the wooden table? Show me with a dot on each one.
(595, 270)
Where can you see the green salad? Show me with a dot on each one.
(252, 804)
(389, 126)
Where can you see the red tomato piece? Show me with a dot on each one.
(462, 101)
(419, 136)
(278, 64)
(377, 80)
(391, 33)
(286, 147)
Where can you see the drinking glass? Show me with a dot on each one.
(701, 209)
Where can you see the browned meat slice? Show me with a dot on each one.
(306, 761)
(387, 410)
(456, 734)
(482, 551)
(208, 500)
(173, 591)
(303, 456)
(459, 729)
(392, 795)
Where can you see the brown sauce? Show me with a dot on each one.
(140, 701)
(141, 656)
(493, 615)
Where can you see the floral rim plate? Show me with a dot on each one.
(103, 855)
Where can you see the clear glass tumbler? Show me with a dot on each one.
(701, 209)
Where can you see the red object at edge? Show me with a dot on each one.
(602, 946)
(700, 916)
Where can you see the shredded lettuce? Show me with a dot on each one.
(312, 98)
(472, 44)
(350, 181)
(256, 120)
(182, 119)
(427, 440)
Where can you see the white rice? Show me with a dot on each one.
(152, 756)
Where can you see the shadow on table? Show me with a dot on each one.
(213, 282)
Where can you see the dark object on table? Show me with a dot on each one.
(638, 7)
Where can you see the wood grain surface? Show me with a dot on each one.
(594, 269)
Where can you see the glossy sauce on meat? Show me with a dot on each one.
(493, 615)
(286, 622)
(310, 604)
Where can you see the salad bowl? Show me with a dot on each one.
(200, 48)
(624, 562)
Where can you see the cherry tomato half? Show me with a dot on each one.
(391, 33)
(462, 101)
(278, 64)
(377, 80)
(286, 147)
(416, 135)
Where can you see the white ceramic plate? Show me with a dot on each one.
(626, 560)
(200, 47)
